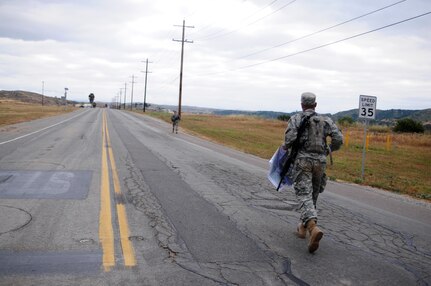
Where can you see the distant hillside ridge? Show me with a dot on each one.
(265, 114)
(389, 116)
(207, 110)
(384, 117)
(31, 97)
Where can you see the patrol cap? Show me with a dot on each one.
(308, 98)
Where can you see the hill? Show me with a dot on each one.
(389, 117)
(31, 97)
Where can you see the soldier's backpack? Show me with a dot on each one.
(315, 141)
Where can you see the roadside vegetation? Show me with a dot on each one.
(399, 162)
(12, 111)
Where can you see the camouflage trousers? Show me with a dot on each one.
(309, 182)
(175, 126)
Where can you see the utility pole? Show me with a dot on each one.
(182, 59)
(145, 89)
(131, 98)
(43, 90)
(119, 98)
(65, 96)
(125, 89)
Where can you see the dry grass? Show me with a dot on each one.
(396, 162)
(12, 111)
(402, 164)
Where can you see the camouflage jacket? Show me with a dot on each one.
(330, 129)
(175, 118)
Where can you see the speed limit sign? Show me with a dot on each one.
(367, 111)
(367, 106)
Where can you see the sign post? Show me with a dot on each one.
(367, 111)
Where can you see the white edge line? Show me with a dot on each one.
(23, 136)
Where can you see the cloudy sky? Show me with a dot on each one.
(246, 54)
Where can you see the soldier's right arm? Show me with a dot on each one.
(291, 131)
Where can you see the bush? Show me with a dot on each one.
(346, 120)
(283, 117)
(409, 125)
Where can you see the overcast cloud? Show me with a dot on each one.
(96, 46)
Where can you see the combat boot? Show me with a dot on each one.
(301, 231)
(315, 235)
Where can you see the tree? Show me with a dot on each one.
(409, 125)
(283, 117)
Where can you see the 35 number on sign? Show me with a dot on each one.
(367, 112)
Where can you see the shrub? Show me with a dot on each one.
(346, 120)
(409, 125)
(283, 117)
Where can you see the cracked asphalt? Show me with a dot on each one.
(199, 214)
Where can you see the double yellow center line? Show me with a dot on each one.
(106, 231)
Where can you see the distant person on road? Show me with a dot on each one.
(91, 99)
(308, 173)
(175, 118)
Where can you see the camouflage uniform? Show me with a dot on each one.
(308, 172)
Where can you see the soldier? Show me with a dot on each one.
(175, 118)
(91, 99)
(308, 174)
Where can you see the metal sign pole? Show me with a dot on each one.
(363, 149)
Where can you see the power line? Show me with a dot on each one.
(273, 12)
(324, 45)
(320, 31)
(218, 35)
(258, 11)
(170, 81)
(215, 33)
(204, 27)
(254, 22)
(335, 42)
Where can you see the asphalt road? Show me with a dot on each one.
(108, 197)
